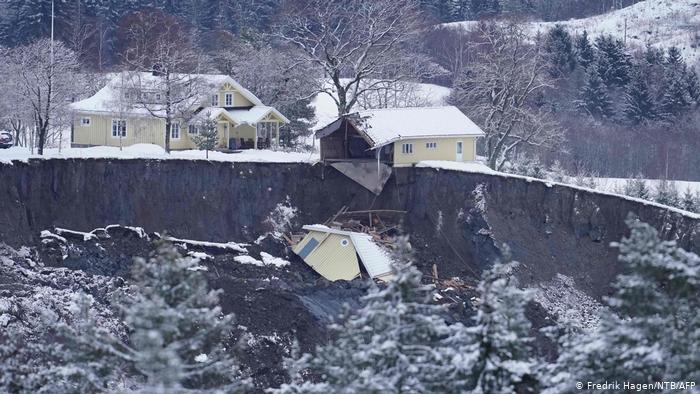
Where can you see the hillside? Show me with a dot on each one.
(661, 23)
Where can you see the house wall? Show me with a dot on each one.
(330, 258)
(238, 99)
(446, 150)
(139, 130)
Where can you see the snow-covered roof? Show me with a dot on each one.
(107, 98)
(384, 126)
(248, 116)
(374, 258)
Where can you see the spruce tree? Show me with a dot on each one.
(613, 62)
(396, 342)
(594, 96)
(639, 104)
(690, 201)
(559, 51)
(693, 86)
(585, 54)
(207, 135)
(666, 193)
(651, 331)
(499, 343)
(637, 187)
(176, 330)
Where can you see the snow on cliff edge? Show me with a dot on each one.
(150, 151)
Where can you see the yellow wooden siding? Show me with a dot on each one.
(332, 259)
(238, 99)
(446, 149)
(139, 130)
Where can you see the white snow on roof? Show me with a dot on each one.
(374, 258)
(107, 98)
(387, 125)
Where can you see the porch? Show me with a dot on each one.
(262, 135)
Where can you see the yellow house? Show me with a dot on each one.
(401, 136)
(113, 117)
(336, 254)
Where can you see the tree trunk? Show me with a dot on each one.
(168, 123)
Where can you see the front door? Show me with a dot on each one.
(459, 150)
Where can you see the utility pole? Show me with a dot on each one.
(53, 14)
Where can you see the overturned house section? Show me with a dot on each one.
(343, 255)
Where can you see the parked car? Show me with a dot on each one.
(6, 140)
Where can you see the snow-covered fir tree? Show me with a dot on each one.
(559, 51)
(206, 134)
(690, 201)
(585, 55)
(396, 342)
(612, 60)
(666, 193)
(639, 103)
(637, 187)
(594, 96)
(651, 331)
(499, 343)
(177, 332)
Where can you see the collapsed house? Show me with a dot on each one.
(343, 255)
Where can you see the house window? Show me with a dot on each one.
(192, 129)
(118, 128)
(175, 130)
(215, 100)
(85, 121)
(431, 145)
(407, 149)
(228, 100)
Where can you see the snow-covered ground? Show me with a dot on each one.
(661, 23)
(479, 168)
(617, 184)
(150, 151)
(424, 93)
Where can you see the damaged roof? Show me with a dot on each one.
(384, 126)
(376, 260)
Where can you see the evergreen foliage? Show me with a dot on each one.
(177, 331)
(396, 342)
(559, 51)
(594, 98)
(207, 135)
(613, 62)
(651, 331)
(639, 103)
(585, 55)
(499, 343)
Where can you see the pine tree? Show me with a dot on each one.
(639, 104)
(499, 346)
(560, 52)
(666, 193)
(584, 50)
(613, 62)
(594, 96)
(396, 342)
(176, 330)
(693, 86)
(654, 56)
(690, 201)
(652, 329)
(207, 135)
(637, 187)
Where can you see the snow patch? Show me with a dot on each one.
(237, 247)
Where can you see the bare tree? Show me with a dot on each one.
(499, 89)
(166, 63)
(43, 88)
(361, 45)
